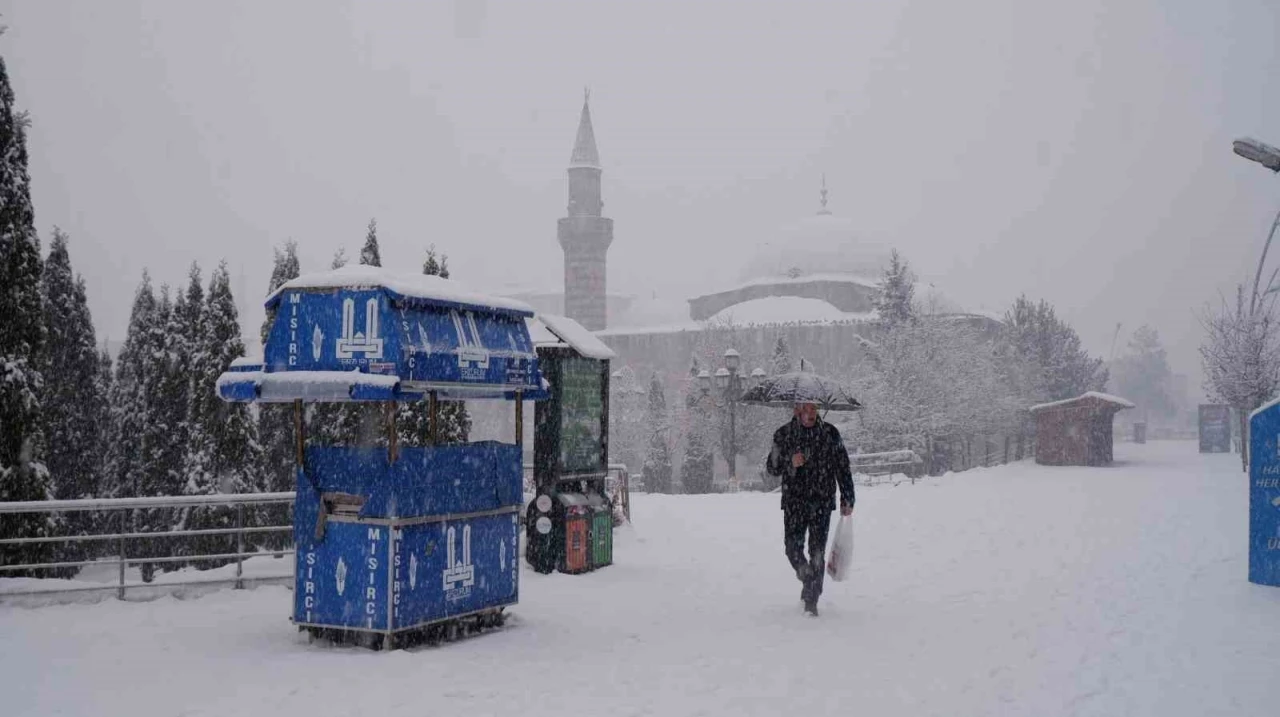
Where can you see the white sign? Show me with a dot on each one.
(459, 573)
(473, 357)
(365, 342)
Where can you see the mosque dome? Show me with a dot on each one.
(822, 243)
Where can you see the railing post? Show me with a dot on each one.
(123, 530)
(239, 546)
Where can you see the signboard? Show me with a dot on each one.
(362, 329)
(1215, 428)
(582, 411)
(571, 438)
(1264, 497)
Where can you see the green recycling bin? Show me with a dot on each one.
(601, 530)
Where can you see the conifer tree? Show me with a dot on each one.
(224, 456)
(72, 399)
(1060, 367)
(23, 474)
(896, 293)
(1143, 375)
(781, 362)
(128, 399)
(369, 255)
(133, 451)
(275, 422)
(657, 460)
(697, 470)
(286, 267)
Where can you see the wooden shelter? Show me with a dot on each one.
(1077, 431)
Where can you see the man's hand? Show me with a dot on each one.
(846, 510)
(797, 460)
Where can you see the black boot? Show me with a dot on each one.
(811, 607)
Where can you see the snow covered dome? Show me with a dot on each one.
(782, 310)
(819, 244)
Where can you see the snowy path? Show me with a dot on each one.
(1016, 591)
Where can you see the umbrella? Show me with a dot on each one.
(801, 387)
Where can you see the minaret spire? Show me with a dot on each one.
(822, 194)
(585, 234)
(585, 153)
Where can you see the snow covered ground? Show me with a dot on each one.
(1017, 590)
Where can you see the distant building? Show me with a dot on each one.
(585, 234)
(812, 284)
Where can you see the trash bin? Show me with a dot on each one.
(542, 541)
(576, 516)
(601, 530)
(1139, 432)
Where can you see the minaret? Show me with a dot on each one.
(584, 234)
(823, 194)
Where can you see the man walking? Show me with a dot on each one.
(810, 456)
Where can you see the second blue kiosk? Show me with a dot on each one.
(398, 535)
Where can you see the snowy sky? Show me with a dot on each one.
(1076, 151)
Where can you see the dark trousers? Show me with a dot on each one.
(797, 521)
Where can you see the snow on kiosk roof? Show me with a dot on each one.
(1090, 397)
(364, 333)
(552, 329)
(412, 288)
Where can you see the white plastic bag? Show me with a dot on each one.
(840, 561)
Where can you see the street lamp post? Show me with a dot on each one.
(729, 383)
(1269, 157)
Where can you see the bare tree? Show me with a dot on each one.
(1241, 357)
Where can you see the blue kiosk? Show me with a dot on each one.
(398, 537)
(1264, 495)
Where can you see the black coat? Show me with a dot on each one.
(812, 485)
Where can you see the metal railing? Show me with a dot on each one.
(618, 483)
(122, 536)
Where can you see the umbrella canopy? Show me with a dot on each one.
(801, 387)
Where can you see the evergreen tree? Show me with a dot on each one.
(697, 470)
(657, 460)
(369, 255)
(781, 361)
(1143, 374)
(453, 422)
(72, 399)
(276, 422)
(163, 433)
(1059, 366)
(896, 293)
(23, 475)
(135, 448)
(102, 412)
(339, 258)
(162, 438)
(286, 268)
(128, 399)
(224, 455)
